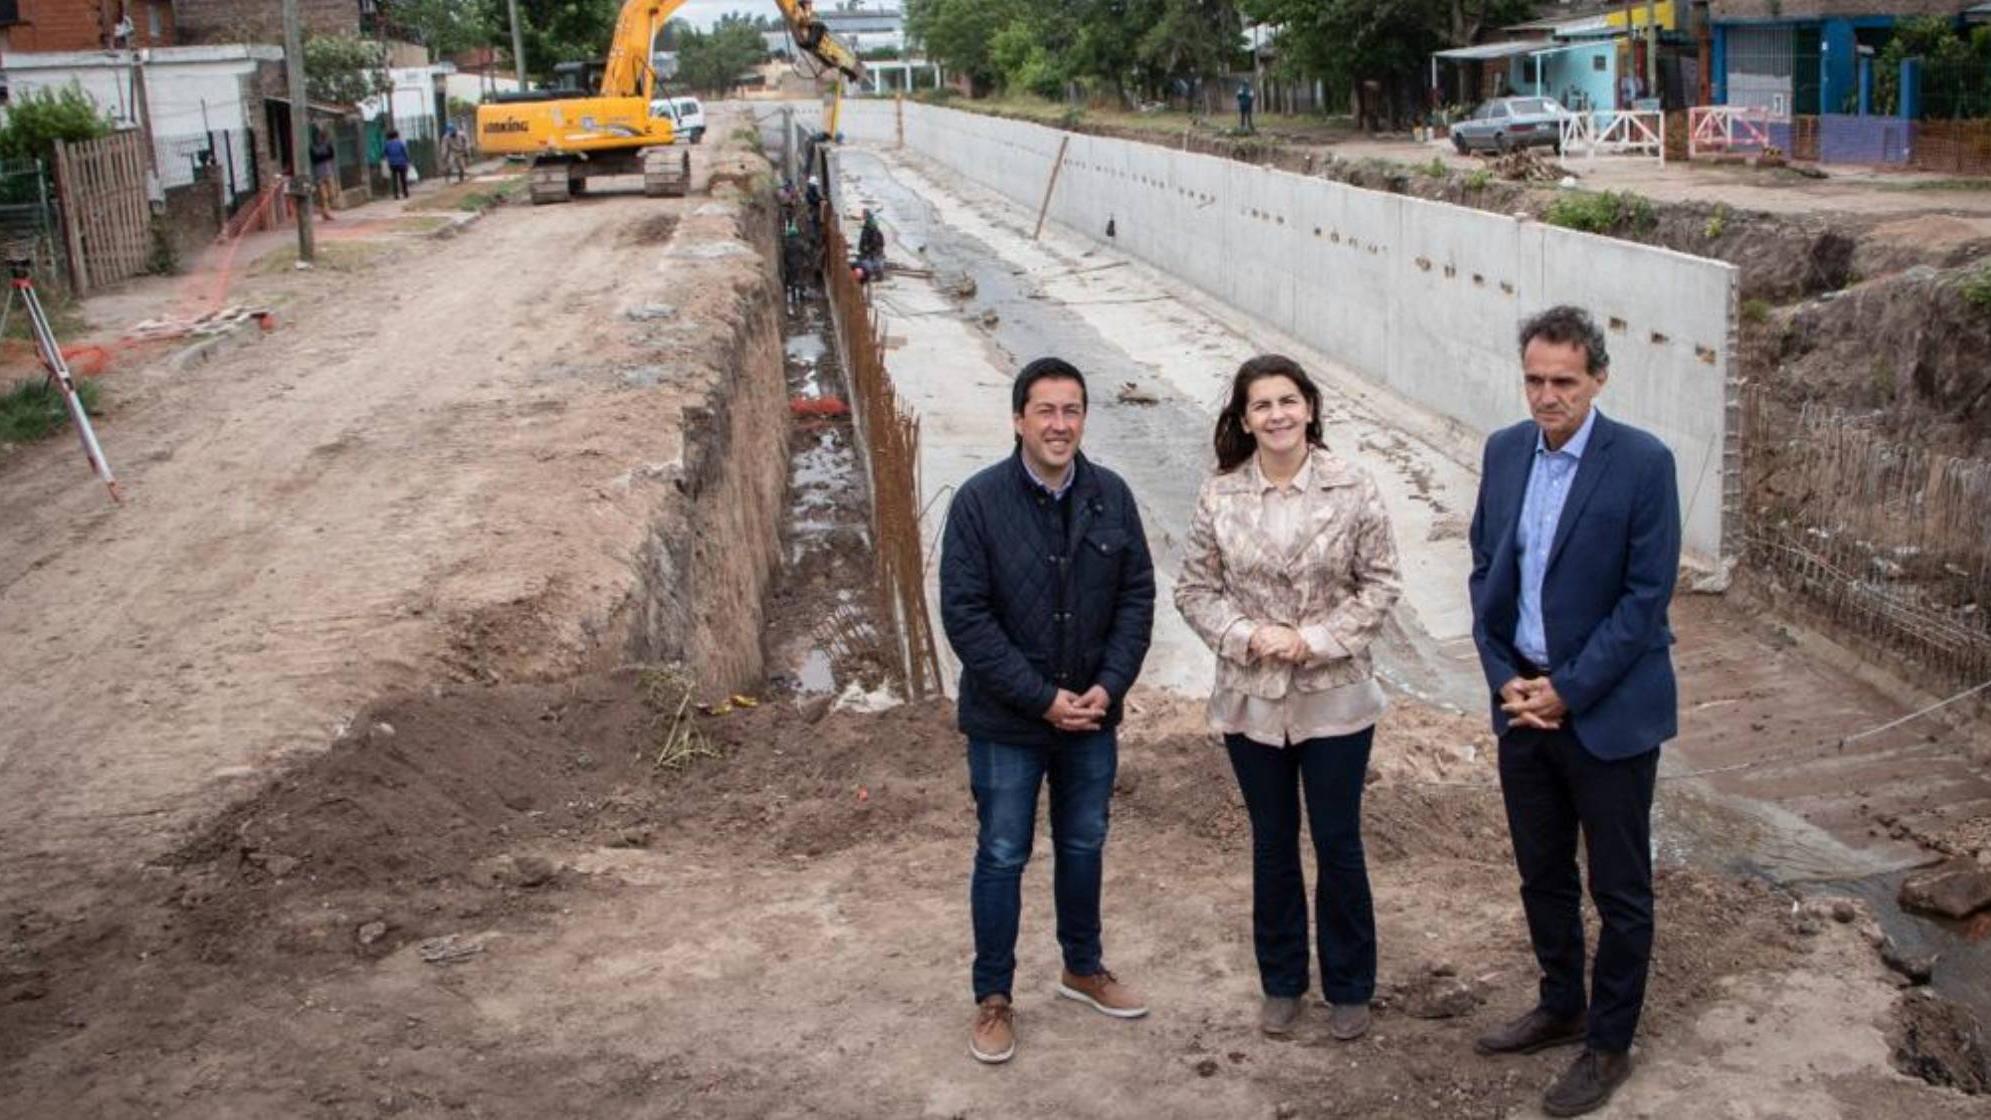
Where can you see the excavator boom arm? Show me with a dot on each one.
(810, 35)
(628, 72)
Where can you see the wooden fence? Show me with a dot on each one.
(106, 218)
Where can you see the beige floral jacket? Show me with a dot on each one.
(1336, 588)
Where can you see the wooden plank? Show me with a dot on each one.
(72, 235)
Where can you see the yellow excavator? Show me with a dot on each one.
(604, 127)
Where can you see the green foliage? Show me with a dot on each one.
(1388, 41)
(1045, 47)
(344, 69)
(1755, 311)
(555, 31)
(446, 27)
(1956, 71)
(1608, 212)
(1436, 169)
(1717, 222)
(1478, 178)
(1976, 289)
(163, 260)
(710, 61)
(34, 409)
(37, 120)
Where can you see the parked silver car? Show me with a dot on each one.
(1506, 123)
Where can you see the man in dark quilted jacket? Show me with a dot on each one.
(1047, 595)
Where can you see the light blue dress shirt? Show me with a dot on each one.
(1549, 479)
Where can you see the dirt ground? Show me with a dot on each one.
(484, 901)
(330, 795)
(438, 468)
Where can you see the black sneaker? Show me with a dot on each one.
(1537, 1030)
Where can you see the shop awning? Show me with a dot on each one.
(1482, 52)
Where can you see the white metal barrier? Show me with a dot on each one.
(1615, 132)
(1727, 128)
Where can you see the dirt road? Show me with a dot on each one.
(436, 469)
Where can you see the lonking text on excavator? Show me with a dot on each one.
(607, 129)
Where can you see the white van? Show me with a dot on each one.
(686, 115)
(690, 117)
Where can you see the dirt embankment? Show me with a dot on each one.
(488, 900)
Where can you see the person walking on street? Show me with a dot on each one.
(1575, 546)
(324, 171)
(396, 155)
(455, 153)
(1244, 100)
(1047, 598)
(1288, 573)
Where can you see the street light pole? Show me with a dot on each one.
(518, 45)
(300, 145)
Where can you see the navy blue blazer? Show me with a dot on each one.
(1610, 577)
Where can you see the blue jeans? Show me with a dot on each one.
(1005, 780)
(1333, 771)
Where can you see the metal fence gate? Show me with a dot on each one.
(106, 218)
(28, 225)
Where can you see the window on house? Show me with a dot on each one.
(10, 12)
(1597, 63)
(153, 24)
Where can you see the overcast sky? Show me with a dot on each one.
(702, 13)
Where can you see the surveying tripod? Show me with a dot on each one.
(23, 285)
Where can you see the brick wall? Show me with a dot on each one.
(260, 21)
(84, 25)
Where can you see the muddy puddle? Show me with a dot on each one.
(823, 638)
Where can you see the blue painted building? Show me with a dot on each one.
(1807, 57)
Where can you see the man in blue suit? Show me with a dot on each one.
(1576, 544)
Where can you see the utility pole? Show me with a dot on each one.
(300, 145)
(518, 45)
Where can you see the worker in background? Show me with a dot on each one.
(812, 195)
(455, 153)
(1244, 100)
(395, 155)
(794, 264)
(1047, 595)
(870, 250)
(324, 171)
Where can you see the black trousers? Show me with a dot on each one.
(400, 181)
(1554, 788)
(1331, 772)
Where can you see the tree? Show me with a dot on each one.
(711, 61)
(556, 31)
(958, 34)
(1956, 72)
(1351, 43)
(344, 69)
(446, 27)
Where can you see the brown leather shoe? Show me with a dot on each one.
(1537, 1030)
(994, 1037)
(1587, 1084)
(1104, 992)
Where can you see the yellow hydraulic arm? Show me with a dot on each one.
(810, 35)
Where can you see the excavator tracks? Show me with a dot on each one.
(667, 172)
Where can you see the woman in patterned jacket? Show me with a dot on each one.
(1288, 574)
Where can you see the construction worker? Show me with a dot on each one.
(455, 153)
(794, 264)
(1244, 100)
(870, 250)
